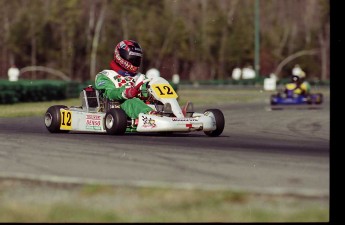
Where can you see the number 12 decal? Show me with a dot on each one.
(164, 91)
(66, 120)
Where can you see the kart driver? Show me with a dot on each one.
(118, 83)
(298, 84)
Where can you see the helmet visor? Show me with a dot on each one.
(295, 78)
(131, 56)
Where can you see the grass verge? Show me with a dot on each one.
(50, 202)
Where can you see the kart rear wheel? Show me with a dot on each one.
(115, 121)
(319, 98)
(309, 100)
(52, 119)
(220, 122)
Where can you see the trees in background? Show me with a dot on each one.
(198, 39)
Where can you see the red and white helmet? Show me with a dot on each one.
(127, 56)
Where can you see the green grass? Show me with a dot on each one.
(103, 203)
(222, 96)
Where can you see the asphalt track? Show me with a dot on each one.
(280, 151)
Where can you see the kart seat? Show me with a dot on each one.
(90, 99)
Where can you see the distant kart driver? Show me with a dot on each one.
(118, 83)
(298, 84)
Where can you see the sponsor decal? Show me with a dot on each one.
(101, 83)
(122, 44)
(93, 117)
(184, 119)
(135, 53)
(93, 122)
(148, 122)
(207, 113)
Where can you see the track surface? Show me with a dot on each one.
(284, 151)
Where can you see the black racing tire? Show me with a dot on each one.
(309, 100)
(319, 99)
(52, 119)
(220, 122)
(272, 99)
(115, 121)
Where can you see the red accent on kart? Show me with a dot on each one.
(153, 112)
(189, 125)
(184, 109)
(89, 89)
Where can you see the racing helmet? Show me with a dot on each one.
(127, 56)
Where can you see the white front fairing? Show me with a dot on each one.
(165, 94)
(152, 123)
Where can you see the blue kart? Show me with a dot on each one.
(289, 98)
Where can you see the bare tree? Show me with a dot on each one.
(324, 39)
(199, 39)
(95, 41)
(229, 8)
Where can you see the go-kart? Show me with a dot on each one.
(102, 115)
(290, 98)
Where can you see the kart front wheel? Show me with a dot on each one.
(52, 119)
(220, 122)
(273, 99)
(115, 121)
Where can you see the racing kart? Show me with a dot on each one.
(102, 115)
(290, 98)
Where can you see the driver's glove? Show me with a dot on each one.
(131, 92)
